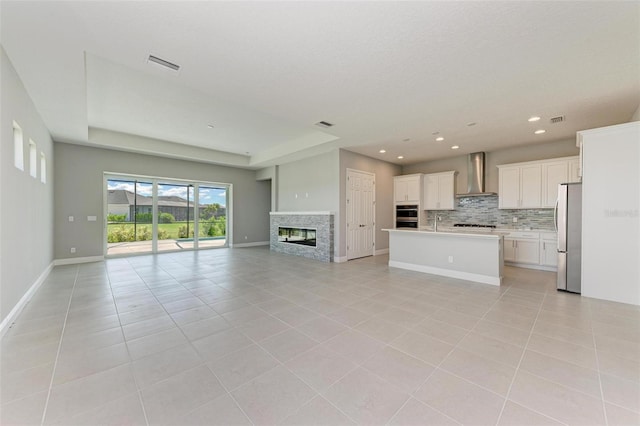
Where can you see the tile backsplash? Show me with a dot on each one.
(484, 210)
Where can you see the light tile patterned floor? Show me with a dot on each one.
(246, 336)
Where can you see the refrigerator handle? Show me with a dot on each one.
(555, 216)
(562, 217)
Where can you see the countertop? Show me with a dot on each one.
(450, 232)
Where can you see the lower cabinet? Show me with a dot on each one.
(548, 250)
(522, 250)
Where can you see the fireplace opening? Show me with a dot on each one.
(302, 236)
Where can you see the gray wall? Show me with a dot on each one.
(320, 185)
(26, 204)
(636, 115)
(309, 184)
(384, 195)
(79, 193)
(564, 148)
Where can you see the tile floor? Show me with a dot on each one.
(246, 336)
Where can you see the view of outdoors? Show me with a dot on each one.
(130, 216)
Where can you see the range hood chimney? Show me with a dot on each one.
(475, 176)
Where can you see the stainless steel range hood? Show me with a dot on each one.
(475, 176)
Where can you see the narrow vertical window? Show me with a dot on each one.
(33, 161)
(18, 148)
(43, 168)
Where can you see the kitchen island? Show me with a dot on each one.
(473, 256)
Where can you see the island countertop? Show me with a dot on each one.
(451, 232)
(474, 256)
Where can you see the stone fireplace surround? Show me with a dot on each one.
(323, 222)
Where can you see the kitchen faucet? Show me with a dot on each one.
(435, 223)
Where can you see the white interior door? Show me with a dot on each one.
(360, 214)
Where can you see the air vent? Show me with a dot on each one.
(558, 119)
(164, 63)
(324, 124)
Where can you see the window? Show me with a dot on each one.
(43, 168)
(33, 162)
(18, 150)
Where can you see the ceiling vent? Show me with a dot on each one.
(324, 124)
(164, 63)
(558, 119)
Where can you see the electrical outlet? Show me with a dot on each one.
(514, 220)
(450, 259)
(70, 218)
(245, 237)
(73, 250)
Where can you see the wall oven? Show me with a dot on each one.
(407, 216)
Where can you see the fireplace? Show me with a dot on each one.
(303, 236)
(306, 234)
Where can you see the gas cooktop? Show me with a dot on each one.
(473, 225)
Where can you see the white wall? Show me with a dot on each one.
(26, 204)
(610, 213)
(563, 148)
(79, 192)
(636, 115)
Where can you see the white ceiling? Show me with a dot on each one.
(262, 73)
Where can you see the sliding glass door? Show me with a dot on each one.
(175, 216)
(129, 218)
(150, 215)
(212, 216)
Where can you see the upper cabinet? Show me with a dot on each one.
(519, 186)
(439, 191)
(407, 189)
(534, 184)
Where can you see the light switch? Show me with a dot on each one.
(92, 218)
(70, 218)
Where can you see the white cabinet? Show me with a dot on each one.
(553, 174)
(548, 249)
(522, 247)
(407, 189)
(534, 184)
(520, 186)
(531, 249)
(574, 170)
(439, 191)
(556, 172)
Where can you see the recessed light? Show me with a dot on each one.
(210, 126)
(471, 124)
(439, 138)
(400, 157)
(534, 118)
(539, 132)
(382, 151)
(455, 147)
(406, 140)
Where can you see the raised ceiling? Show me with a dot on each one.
(388, 74)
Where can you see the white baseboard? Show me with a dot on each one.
(340, 259)
(381, 251)
(76, 260)
(9, 319)
(257, 243)
(485, 279)
(530, 266)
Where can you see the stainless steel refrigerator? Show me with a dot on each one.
(569, 227)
